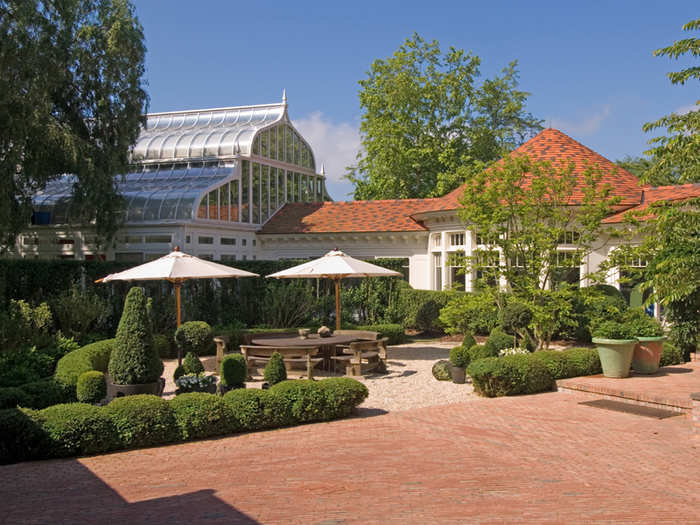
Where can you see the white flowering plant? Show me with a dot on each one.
(513, 351)
(195, 383)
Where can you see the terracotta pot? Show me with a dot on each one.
(615, 355)
(647, 354)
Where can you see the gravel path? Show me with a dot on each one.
(408, 383)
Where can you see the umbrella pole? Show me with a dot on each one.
(337, 303)
(177, 307)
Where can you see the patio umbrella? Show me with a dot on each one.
(335, 265)
(177, 267)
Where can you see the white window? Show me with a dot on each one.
(229, 241)
(205, 240)
(569, 237)
(457, 239)
(155, 239)
(437, 240)
(437, 275)
(228, 257)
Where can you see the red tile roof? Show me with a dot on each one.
(355, 216)
(682, 192)
(554, 146)
(395, 215)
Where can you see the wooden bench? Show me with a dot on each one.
(291, 355)
(364, 356)
(363, 335)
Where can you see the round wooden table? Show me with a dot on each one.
(327, 344)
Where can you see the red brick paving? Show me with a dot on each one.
(669, 388)
(536, 459)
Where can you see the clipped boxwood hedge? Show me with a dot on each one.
(37, 394)
(570, 363)
(144, 420)
(201, 415)
(396, 333)
(510, 375)
(671, 355)
(91, 387)
(94, 356)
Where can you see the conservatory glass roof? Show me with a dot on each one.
(151, 194)
(207, 133)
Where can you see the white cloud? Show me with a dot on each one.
(687, 109)
(588, 126)
(335, 145)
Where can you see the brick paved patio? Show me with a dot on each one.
(537, 459)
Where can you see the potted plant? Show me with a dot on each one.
(615, 343)
(650, 344)
(459, 359)
(134, 365)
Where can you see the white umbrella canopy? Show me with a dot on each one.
(177, 267)
(335, 265)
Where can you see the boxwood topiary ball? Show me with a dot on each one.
(91, 387)
(441, 370)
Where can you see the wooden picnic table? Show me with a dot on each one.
(327, 344)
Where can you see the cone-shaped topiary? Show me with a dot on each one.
(192, 364)
(234, 370)
(275, 370)
(134, 360)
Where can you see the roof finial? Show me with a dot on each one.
(323, 169)
(284, 97)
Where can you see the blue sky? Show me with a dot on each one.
(588, 65)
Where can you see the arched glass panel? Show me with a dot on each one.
(273, 143)
(265, 194)
(256, 193)
(245, 192)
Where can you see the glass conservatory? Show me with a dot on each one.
(228, 169)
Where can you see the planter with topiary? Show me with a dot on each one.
(650, 340)
(134, 364)
(615, 343)
(459, 359)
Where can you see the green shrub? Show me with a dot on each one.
(481, 352)
(343, 394)
(179, 372)
(12, 396)
(396, 333)
(78, 429)
(614, 330)
(92, 387)
(509, 375)
(195, 336)
(498, 340)
(143, 420)
(23, 366)
(78, 312)
(22, 437)
(233, 371)
(192, 364)
(515, 317)
(275, 371)
(200, 415)
(47, 392)
(459, 356)
(441, 370)
(469, 312)
(671, 355)
(162, 345)
(594, 305)
(468, 340)
(94, 356)
(299, 401)
(641, 324)
(421, 308)
(134, 360)
(574, 362)
(248, 408)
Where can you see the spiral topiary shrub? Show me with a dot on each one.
(234, 371)
(195, 336)
(134, 360)
(143, 420)
(92, 387)
(275, 371)
(191, 364)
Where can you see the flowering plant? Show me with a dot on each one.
(195, 383)
(513, 351)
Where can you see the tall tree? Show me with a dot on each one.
(424, 115)
(71, 101)
(523, 210)
(677, 154)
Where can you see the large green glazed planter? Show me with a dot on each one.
(615, 355)
(647, 354)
